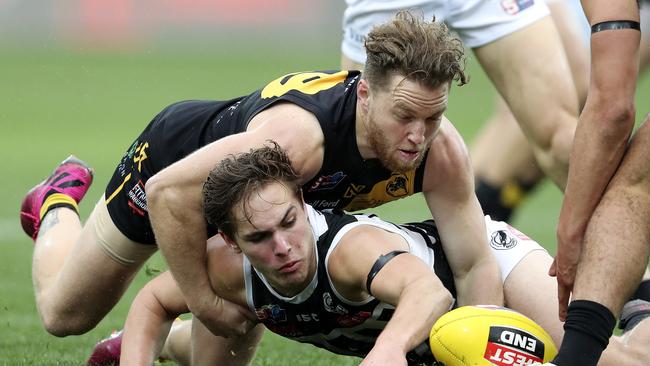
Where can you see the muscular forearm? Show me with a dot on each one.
(481, 285)
(418, 307)
(181, 236)
(605, 126)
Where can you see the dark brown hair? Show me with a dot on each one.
(422, 51)
(237, 177)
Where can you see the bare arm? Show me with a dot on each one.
(602, 134)
(175, 203)
(405, 282)
(161, 301)
(449, 191)
(150, 317)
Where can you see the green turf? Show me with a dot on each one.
(57, 102)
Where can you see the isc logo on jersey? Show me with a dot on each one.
(487, 336)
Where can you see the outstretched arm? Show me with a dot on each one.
(405, 282)
(449, 191)
(150, 317)
(175, 205)
(603, 132)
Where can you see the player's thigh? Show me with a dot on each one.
(530, 290)
(524, 266)
(530, 70)
(574, 31)
(644, 50)
(501, 151)
(103, 261)
(634, 171)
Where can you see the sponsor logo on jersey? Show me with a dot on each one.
(326, 182)
(353, 190)
(138, 199)
(323, 205)
(271, 314)
(311, 317)
(513, 347)
(329, 305)
(513, 7)
(397, 185)
(350, 320)
(502, 240)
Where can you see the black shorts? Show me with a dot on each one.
(173, 134)
(441, 267)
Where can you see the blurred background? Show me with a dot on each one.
(86, 76)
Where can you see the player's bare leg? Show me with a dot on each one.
(178, 344)
(529, 290)
(630, 349)
(76, 282)
(609, 275)
(530, 71)
(504, 163)
(208, 349)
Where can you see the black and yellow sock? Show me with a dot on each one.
(54, 199)
(500, 202)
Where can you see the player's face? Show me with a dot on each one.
(402, 120)
(277, 238)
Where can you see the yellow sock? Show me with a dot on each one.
(56, 200)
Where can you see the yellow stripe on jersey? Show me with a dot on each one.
(126, 179)
(303, 82)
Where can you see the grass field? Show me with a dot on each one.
(58, 102)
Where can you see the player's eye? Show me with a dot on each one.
(402, 117)
(289, 222)
(258, 237)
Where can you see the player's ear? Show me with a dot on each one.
(229, 242)
(363, 93)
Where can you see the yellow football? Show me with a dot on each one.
(490, 336)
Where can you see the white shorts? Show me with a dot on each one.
(508, 245)
(645, 19)
(477, 22)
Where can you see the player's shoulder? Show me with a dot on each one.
(225, 266)
(448, 161)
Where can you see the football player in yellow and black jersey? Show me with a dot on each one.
(356, 141)
(351, 284)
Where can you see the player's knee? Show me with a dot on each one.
(66, 324)
(560, 147)
(556, 151)
(66, 319)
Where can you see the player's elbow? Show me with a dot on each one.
(162, 192)
(444, 298)
(615, 117)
